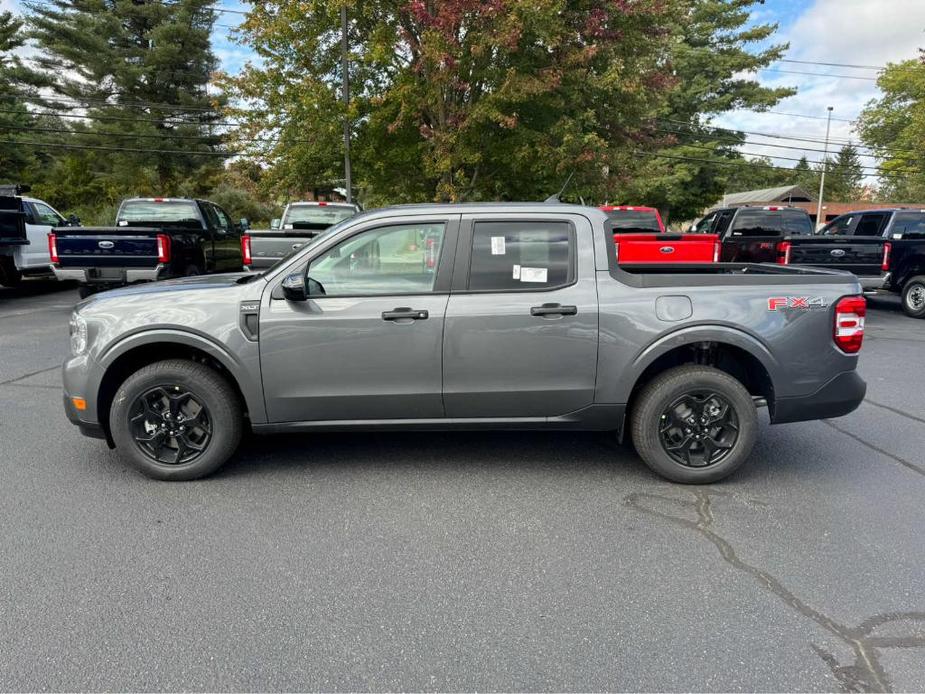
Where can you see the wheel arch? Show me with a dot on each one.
(141, 349)
(910, 268)
(732, 351)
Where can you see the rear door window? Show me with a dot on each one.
(45, 215)
(909, 224)
(521, 256)
(871, 224)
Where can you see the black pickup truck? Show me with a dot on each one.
(154, 238)
(884, 248)
(753, 234)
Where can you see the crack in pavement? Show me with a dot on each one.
(866, 674)
(895, 410)
(12, 381)
(901, 461)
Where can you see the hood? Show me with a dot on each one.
(182, 284)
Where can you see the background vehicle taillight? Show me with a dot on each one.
(53, 248)
(885, 263)
(783, 253)
(849, 323)
(246, 249)
(717, 248)
(163, 248)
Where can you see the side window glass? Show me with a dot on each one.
(703, 226)
(211, 218)
(223, 220)
(401, 259)
(45, 215)
(510, 256)
(838, 227)
(870, 225)
(909, 224)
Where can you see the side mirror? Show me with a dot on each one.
(294, 287)
(73, 220)
(244, 224)
(274, 224)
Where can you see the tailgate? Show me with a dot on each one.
(666, 248)
(861, 255)
(106, 247)
(269, 247)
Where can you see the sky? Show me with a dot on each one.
(855, 32)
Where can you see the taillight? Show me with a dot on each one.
(783, 253)
(246, 249)
(163, 248)
(717, 247)
(885, 263)
(53, 248)
(849, 323)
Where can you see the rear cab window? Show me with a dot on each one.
(317, 217)
(521, 256)
(771, 222)
(158, 211)
(629, 221)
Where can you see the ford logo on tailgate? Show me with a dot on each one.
(838, 253)
(666, 249)
(106, 244)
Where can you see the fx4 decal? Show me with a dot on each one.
(776, 303)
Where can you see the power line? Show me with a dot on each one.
(734, 141)
(172, 119)
(86, 101)
(817, 74)
(806, 115)
(119, 149)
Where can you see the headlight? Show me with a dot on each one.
(78, 327)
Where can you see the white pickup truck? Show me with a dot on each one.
(24, 226)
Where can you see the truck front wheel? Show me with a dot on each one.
(176, 420)
(694, 424)
(10, 275)
(913, 296)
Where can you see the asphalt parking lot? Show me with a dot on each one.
(462, 561)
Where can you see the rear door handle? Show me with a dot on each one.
(553, 310)
(405, 313)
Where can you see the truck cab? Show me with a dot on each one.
(26, 223)
(751, 234)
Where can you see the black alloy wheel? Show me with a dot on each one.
(699, 429)
(170, 425)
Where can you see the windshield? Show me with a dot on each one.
(162, 212)
(315, 216)
(633, 220)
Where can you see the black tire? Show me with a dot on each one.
(85, 290)
(10, 275)
(192, 271)
(207, 388)
(913, 296)
(656, 422)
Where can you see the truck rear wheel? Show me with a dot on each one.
(913, 297)
(694, 424)
(176, 420)
(10, 275)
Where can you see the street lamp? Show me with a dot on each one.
(825, 162)
(345, 83)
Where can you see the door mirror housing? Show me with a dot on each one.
(244, 224)
(274, 224)
(293, 287)
(73, 220)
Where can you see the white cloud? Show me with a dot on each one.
(857, 32)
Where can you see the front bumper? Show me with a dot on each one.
(94, 275)
(838, 397)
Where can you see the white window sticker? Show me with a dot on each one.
(123, 223)
(517, 272)
(532, 274)
(497, 245)
(287, 226)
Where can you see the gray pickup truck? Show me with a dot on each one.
(300, 223)
(477, 316)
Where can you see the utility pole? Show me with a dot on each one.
(345, 84)
(825, 162)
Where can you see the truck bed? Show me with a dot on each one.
(268, 246)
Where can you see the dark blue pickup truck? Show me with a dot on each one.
(154, 239)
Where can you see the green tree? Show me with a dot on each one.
(805, 176)
(716, 44)
(458, 99)
(844, 175)
(894, 126)
(139, 73)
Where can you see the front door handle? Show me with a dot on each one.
(405, 313)
(553, 310)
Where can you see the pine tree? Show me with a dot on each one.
(847, 174)
(139, 71)
(15, 119)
